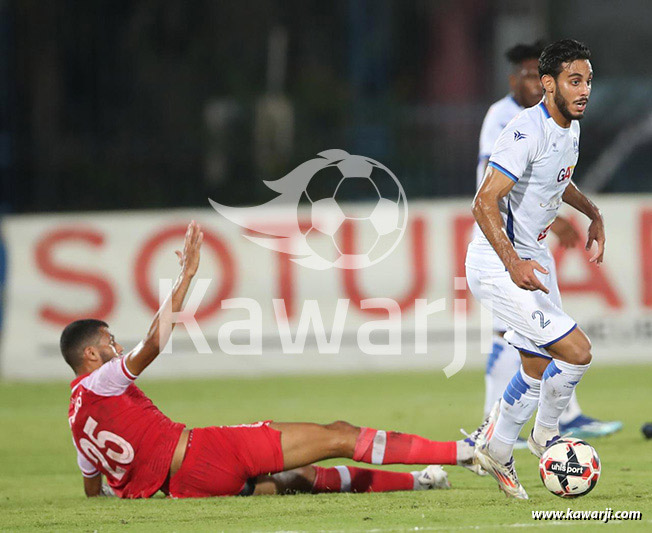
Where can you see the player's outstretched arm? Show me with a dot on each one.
(161, 329)
(496, 186)
(575, 198)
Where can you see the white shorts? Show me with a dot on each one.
(532, 320)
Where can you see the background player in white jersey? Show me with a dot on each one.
(504, 361)
(509, 266)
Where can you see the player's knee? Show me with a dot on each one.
(580, 353)
(342, 437)
(341, 425)
(584, 357)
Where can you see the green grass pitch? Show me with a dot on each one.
(41, 489)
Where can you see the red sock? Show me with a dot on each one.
(354, 479)
(389, 447)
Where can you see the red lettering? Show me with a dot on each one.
(544, 233)
(419, 272)
(285, 265)
(645, 225)
(144, 261)
(595, 281)
(45, 263)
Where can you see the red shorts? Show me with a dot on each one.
(219, 460)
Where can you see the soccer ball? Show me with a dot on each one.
(570, 468)
(360, 234)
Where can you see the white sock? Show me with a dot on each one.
(557, 386)
(572, 411)
(516, 408)
(503, 361)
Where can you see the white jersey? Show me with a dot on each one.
(497, 117)
(540, 156)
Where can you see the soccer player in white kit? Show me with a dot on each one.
(509, 266)
(504, 359)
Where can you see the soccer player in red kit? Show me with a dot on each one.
(119, 432)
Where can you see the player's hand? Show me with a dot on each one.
(189, 258)
(522, 273)
(596, 233)
(565, 232)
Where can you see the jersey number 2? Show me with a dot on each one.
(97, 448)
(542, 322)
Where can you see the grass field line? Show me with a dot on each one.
(544, 523)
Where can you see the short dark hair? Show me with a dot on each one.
(522, 52)
(564, 51)
(76, 336)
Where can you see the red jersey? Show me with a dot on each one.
(119, 432)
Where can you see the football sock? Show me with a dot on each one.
(572, 411)
(503, 361)
(557, 385)
(390, 447)
(518, 404)
(354, 479)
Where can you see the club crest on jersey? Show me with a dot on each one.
(518, 135)
(565, 174)
(576, 146)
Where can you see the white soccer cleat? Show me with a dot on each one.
(505, 475)
(432, 477)
(471, 463)
(481, 435)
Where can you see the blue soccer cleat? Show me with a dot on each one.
(585, 427)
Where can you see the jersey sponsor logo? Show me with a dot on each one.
(552, 205)
(518, 135)
(565, 174)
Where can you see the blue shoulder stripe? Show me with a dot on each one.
(503, 170)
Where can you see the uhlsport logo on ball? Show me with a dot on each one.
(346, 195)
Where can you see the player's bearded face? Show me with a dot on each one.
(562, 104)
(572, 90)
(106, 353)
(108, 348)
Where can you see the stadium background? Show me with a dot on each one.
(119, 119)
(119, 115)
